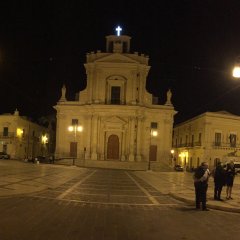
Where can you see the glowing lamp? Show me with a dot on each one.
(79, 128)
(70, 128)
(19, 132)
(44, 139)
(154, 133)
(236, 72)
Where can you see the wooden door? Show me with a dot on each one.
(113, 147)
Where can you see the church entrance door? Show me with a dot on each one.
(113, 148)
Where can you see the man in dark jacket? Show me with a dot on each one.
(219, 181)
(201, 185)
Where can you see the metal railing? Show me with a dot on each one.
(188, 145)
(8, 135)
(225, 145)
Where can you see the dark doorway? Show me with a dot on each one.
(113, 147)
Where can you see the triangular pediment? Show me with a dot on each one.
(115, 119)
(116, 58)
(114, 123)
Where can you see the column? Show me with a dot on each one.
(133, 97)
(139, 138)
(88, 133)
(131, 142)
(123, 145)
(94, 138)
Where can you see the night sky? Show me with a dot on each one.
(192, 47)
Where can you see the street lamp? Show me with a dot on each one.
(236, 69)
(153, 133)
(75, 129)
(44, 140)
(19, 132)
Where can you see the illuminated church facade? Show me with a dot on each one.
(114, 122)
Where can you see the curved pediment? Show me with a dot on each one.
(116, 58)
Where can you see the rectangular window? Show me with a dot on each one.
(5, 131)
(192, 140)
(233, 140)
(115, 95)
(218, 137)
(154, 125)
(200, 138)
(74, 122)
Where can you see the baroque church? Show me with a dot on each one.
(114, 122)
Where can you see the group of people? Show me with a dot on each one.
(221, 177)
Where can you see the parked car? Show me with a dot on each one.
(178, 168)
(4, 155)
(42, 159)
(236, 166)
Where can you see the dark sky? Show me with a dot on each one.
(192, 46)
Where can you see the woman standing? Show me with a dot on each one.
(230, 174)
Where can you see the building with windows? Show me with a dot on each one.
(209, 137)
(21, 138)
(114, 122)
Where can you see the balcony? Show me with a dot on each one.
(225, 145)
(9, 135)
(188, 145)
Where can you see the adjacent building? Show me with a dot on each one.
(209, 137)
(115, 122)
(21, 138)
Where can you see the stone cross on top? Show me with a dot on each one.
(118, 30)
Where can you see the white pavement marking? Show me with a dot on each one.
(150, 197)
(61, 196)
(110, 203)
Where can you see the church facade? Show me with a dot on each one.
(114, 122)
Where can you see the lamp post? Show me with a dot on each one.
(172, 155)
(18, 143)
(44, 142)
(75, 128)
(153, 133)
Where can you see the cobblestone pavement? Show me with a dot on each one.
(25, 178)
(74, 203)
(108, 187)
(180, 186)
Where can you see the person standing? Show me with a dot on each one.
(230, 174)
(219, 181)
(201, 177)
